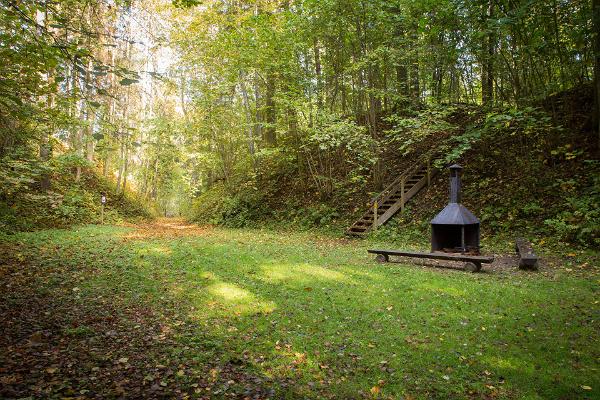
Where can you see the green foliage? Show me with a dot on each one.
(76, 205)
(310, 216)
(339, 154)
(24, 207)
(68, 162)
(527, 124)
(407, 131)
(218, 206)
(579, 219)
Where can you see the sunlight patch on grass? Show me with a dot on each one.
(300, 272)
(506, 363)
(207, 275)
(230, 293)
(449, 290)
(239, 300)
(159, 250)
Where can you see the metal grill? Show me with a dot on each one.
(455, 229)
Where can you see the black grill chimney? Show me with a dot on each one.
(455, 171)
(455, 228)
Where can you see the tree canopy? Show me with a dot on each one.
(174, 99)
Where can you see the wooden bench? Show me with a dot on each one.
(473, 263)
(528, 259)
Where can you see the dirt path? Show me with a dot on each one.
(165, 228)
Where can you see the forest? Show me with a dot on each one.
(188, 190)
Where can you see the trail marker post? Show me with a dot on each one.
(103, 202)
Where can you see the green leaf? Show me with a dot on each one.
(127, 81)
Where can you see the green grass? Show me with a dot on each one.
(318, 317)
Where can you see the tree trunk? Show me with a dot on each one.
(250, 128)
(125, 167)
(42, 20)
(402, 78)
(414, 80)
(487, 74)
(257, 106)
(121, 164)
(318, 75)
(596, 23)
(89, 118)
(105, 165)
(414, 72)
(270, 137)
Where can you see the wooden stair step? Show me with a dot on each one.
(393, 198)
(361, 224)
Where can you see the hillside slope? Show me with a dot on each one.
(529, 171)
(532, 172)
(24, 206)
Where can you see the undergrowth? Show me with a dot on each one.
(527, 172)
(23, 206)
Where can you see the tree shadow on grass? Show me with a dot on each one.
(62, 336)
(504, 309)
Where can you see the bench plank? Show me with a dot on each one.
(436, 256)
(528, 259)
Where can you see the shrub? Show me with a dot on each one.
(579, 222)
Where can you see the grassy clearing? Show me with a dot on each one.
(253, 313)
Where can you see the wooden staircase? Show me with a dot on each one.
(393, 198)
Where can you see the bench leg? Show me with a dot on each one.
(471, 266)
(531, 265)
(382, 258)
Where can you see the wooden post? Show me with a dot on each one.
(102, 202)
(428, 172)
(375, 205)
(402, 194)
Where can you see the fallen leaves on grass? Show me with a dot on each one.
(165, 228)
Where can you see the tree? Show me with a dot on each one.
(596, 25)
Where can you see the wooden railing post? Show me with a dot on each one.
(375, 205)
(428, 172)
(402, 194)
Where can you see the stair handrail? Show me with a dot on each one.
(406, 174)
(392, 186)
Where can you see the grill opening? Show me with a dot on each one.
(455, 238)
